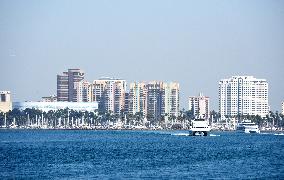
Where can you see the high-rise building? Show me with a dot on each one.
(5, 101)
(154, 99)
(65, 84)
(137, 98)
(74, 75)
(243, 95)
(109, 93)
(82, 91)
(62, 87)
(171, 97)
(199, 105)
(126, 103)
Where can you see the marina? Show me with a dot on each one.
(142, 89)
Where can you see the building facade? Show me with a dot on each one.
(110, 94)
(5, 101)
(74, 75)
(82, 91)
(199, 105)
(126, 103)
(171, 98)
(243, 95)
(154, 99)
(51, 98)
(65, 84)
(62, 87)
(137, 98)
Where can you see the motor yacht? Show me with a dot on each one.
(247, 127)
(199, 127)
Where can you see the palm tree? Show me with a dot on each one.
(2, 117)
(272, 115)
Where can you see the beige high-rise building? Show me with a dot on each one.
(199, 105)
(154, 99)
(5, 101)
(171, 98)
(109, 93)
(82, 91)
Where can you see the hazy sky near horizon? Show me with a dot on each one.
(196, 43)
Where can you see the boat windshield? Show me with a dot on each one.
(199, 119)
(249, 124)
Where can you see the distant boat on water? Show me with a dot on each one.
(199, 127)
(247, 127)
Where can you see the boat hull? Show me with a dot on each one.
(198, 133)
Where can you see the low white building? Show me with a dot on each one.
(51, 98)
(47, 106)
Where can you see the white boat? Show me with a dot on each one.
(199, 127)
(247, 127)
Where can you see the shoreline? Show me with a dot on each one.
(107, 129)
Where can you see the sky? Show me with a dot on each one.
(196, 43)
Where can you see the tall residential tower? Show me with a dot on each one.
(109, 93)
(137, 98)
(62, 87)
(243, 95)
(66, 90)
(154, 99)
(199, 105)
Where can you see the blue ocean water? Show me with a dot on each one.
(83, 154)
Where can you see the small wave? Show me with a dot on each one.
(180, 134)
(281, 134)
(264, 133)
(214, 135)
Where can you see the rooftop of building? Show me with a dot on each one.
(5, 92)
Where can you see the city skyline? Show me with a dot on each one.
(194, 43)
(128, 89)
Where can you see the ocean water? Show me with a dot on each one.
(83, 154)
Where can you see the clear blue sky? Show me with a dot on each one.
(196, 43)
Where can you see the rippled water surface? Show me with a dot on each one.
(55, 154)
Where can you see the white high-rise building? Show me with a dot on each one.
(199, 105)
(243, 95)
(137, 98)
